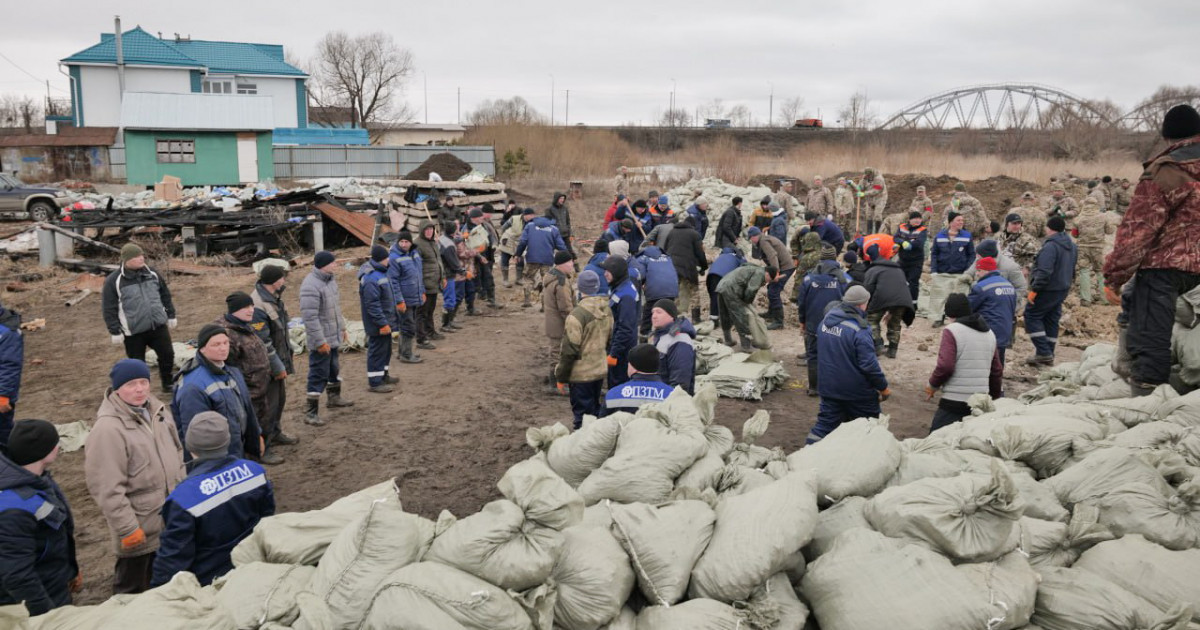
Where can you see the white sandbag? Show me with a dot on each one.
(544, 497)
(14, 616)
(774, 605)
(179, 604)
(575, 455)
(258, 593)
(969, 518)
(720, 439)
(70, 617)
(649, 456)
(701, 474)
(733, 480)
(1103, 472)
(627, 620)
(1162, 577)
(914, 466)
(663, 544)
(593, 579)
(1163, 435)
(695, 614)
(754, 536)
(867, 580)
(431, 596)
(856, 459)
(368, 550)
(301, 537)
(747, 453)
(1074, 599)
(1044, 442)
(1171, 519)
(832, 521)
(1054, 544)
(1136, 410)
(314, 614)
(500, 545)
(1184, 411)
(1040, 500)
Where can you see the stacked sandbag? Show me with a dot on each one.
(840, 517)
(867, 580)
(592, 577)
(663, 544)
(1162, 577)
(573, 456)
(433, 595)
(1056, 544)
(1074, 599)
(748, 454)
(696, 614)
(258, 593)
(968, 518)
(855, 459)
(512, 542)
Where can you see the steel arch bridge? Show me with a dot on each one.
(1148, 116)
(997, 106)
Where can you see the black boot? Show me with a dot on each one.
(382, 388)
(729, 338)
(891, 350)
(334, 390)
(446, 326)
(471, 312)
(775, 319)
(878, 347)
(283, 439)
(453, 316)
(311, 406)
(812, 383)
(745, 341)
(424, 345)
(504, 278)
(695, 314)
(406, 351)
(389, 379)
(270, 457)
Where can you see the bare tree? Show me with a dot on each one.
(675, 118)
(20, 111)
(1152, 109)
(858, 112)
(740, 116)
(714, 108)
(365, 73)
(791, 110)
(512, 111)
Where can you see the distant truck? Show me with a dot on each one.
(717, 123)
(808, 123)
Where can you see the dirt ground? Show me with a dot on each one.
(457, 421)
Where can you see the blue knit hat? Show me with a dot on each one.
(588, 283)
(128, 370)
(753, 231)
(662, 200)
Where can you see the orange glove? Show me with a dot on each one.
(1031, 297)
(138, 537)
(323, 348)
(1110, 294)
(280, 376)
(76, 584)
(5, 404)
(385, 330)
(262, 445)
(612, 361)
(470, 275)
(562, 389)
(402, 307)
(885, 394)
(929, 392)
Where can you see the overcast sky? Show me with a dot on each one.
(620, 60)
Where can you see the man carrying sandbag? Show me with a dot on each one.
(735, 294)
(967, 362)
(851, 382)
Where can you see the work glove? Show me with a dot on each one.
(138, 537)
(282, 375)
(1112, 295)
(117, 339)
(323, 348)
(1031, 297)
(76, 584)
(612, 361)
(385, 330)
(929, 392)
(964, 278)
(5, 404)
(905, 245)
(402, 307)
(562, 389)
(172, 323)
(861, 194)
(470, 275)
(885, 394)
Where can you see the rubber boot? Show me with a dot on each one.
(167, 385)
(878, 347)
(775, 319)
(695, 314)
(812, 384)
(284, 439)
(506, 281)
(312, 405)
(747, 346)
(526, 303)
(389, 379)
(729, 338)
(424, 345)
(891, 350)
(471, 312)
(334, 390)
(270, 457)
(453, 326)
(446, 327)
(382, 388)
(406, 351)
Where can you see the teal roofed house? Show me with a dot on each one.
(203, 111)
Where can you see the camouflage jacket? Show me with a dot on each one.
(843, 200)
(975, 219)
(1066, 208)
(1100, 197)
(1033, 220)
(1120, 199)
(1022, 247)
(819, 200)
(807, 249)
(892, 222)
(874, 191)
(583, 356)
(1091, 226)
(622, 185)
(785, 200)
(1168, 194)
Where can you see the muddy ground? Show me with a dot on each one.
(456, 423)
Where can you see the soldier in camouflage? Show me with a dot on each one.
(820, 199)
(1121, 196)
(784, 199)
(1033, 217)
(975, 219)
(622, 182)
(1095, 192)
(873, 190)
(892, 223)
(1018, 243)
(1092, 227)
(923, 204)
(1060, 205)
(843, 202)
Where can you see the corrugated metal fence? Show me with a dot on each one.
(370, 162)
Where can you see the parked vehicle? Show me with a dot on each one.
(717, 123)
(21, 201)
(808, 123)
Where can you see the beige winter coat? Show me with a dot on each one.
(131, 465)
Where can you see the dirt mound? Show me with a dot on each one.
(769, 180)
(449, 166)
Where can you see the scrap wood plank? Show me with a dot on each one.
(420, 183)
(358, 224)
(176, 266)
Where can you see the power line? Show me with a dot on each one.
(30, 74)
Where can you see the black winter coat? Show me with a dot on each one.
(37, 540)
(889, 288)
(686, 249)
(729, 228)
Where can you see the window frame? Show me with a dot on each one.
(177, 150)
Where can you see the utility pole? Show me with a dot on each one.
(426, 77)
(552, 100)
(120, 59)
(460, 105)
(568, 114)
(771, 108)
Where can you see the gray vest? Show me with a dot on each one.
(972, 364)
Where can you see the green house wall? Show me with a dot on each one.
(216, 158)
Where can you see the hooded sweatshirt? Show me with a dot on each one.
(37, 552)
(558, 212)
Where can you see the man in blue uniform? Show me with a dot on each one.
(626, 305)
(995, 299)
(852, 383)
(1049, 284)
(643, 384)
(378, 305)
(821, 286)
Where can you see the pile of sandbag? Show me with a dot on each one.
(719, 195)
(1077, 515)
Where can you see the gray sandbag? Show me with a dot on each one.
(1171, 520)
(755, 535)
(663, 544)
(258, 593)
(179, 604)
(832, 521)
(774, 606)
(701, 474)
(914, 466)
(867, 580)
(1133, 411)
(301, 537)
(1055, 544)
(856, 459)
(627, 620)
(695, 614)
(1162, 577)
(1102, 473)
(1184, 440)
(1074, 599)
(68, 617)
(650, 455)
(748, 454)
(544, 497)
(969, 518)
(575, 455)
(368, 550)
(497, 544)
(592, 577)
(1184, 411)
(1045, 442)
(432, 596)
(1040, 500)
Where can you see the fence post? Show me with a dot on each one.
(47, 250)
(318, 235)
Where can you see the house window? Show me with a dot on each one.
(213, 86)
(247, 88)
(175, 151)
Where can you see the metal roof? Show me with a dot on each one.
(68, 137)
(414, 127)
(199, 112)
(142, 48)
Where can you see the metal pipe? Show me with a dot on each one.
(120, 59)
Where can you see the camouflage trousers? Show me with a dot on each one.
(1089, 267)
(895, 319)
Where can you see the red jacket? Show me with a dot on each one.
(610, 215)
(1161, 229)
